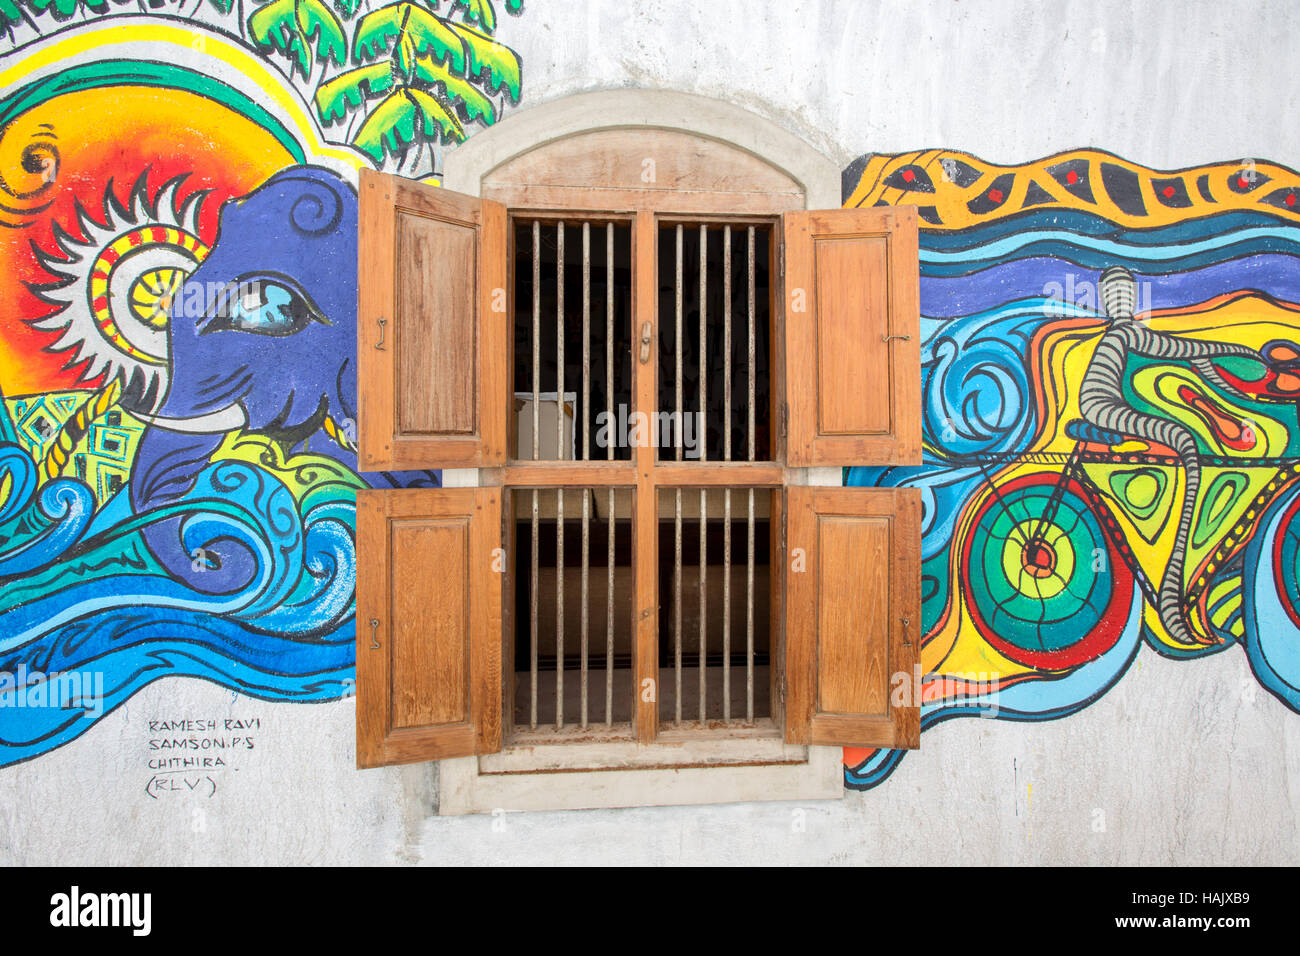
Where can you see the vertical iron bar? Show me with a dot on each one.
(532, 626)
(586, 341)
(726, 454)
(701, 438)
(704, 633)
(559, 340)
(609, 338)
(586, 447)
(677, 343)
(749, 616)
(537, 387)
(726, 604)
(609, 615)
(586, 507)
(749, 570)
(726, 343)
(559, 608)
(677, 605)
(609, 454)
(537, 356)
(559, 492)
(751, 344)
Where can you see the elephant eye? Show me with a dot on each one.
(263, 307)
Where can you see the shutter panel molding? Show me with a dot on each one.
(429, 579)
(432, 327)
(853, 616)
(853, 337)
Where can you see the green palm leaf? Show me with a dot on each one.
(426, 32)
(477, 106)
(315, 21)
(62, 8)
(479, 11)
(390, 124)
(345, 92)
(485, 54)
(436, 114)
(290, 25)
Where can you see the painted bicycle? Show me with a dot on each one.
(1177, 445)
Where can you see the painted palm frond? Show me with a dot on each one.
(348, 91)
(291, 26)
(431, 75)
(61, 9)
(458, 89)
(412, 26)
(401, 117)
(500, 63)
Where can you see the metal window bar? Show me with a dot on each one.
(609, 455)
(726, 454)
(749, 571)
(537, 385)
(701, 435)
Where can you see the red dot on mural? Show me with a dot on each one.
(908, 175)
(1072, 177)
(1241, 182)
(995, 195)
(1168, 192)
(1290, 199)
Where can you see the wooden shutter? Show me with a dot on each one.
(432, 327)
(853, 337)
(853, 616)
(429, 599)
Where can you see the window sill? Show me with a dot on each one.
(722, 768)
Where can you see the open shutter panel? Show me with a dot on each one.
(432, 327)
(429, 601)
(853, 337)
(853, 617)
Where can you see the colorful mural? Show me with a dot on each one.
(178, 329)
(1112, 449)
(177, 474)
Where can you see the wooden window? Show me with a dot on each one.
(816, 315)
(432, 337)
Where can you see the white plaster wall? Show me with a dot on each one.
(1181, 763)
(1163, 84)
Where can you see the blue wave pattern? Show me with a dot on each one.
(985, 292)
(100, 604)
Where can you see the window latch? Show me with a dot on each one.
(380, 344)
(646, 331)
(374, 626)
(907, 641)
(886, 338)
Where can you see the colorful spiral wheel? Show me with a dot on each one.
(1043, 582)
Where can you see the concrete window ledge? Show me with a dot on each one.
(663, 774)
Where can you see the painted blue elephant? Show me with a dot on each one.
(262, 337)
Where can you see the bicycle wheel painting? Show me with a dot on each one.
(1070, 520)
